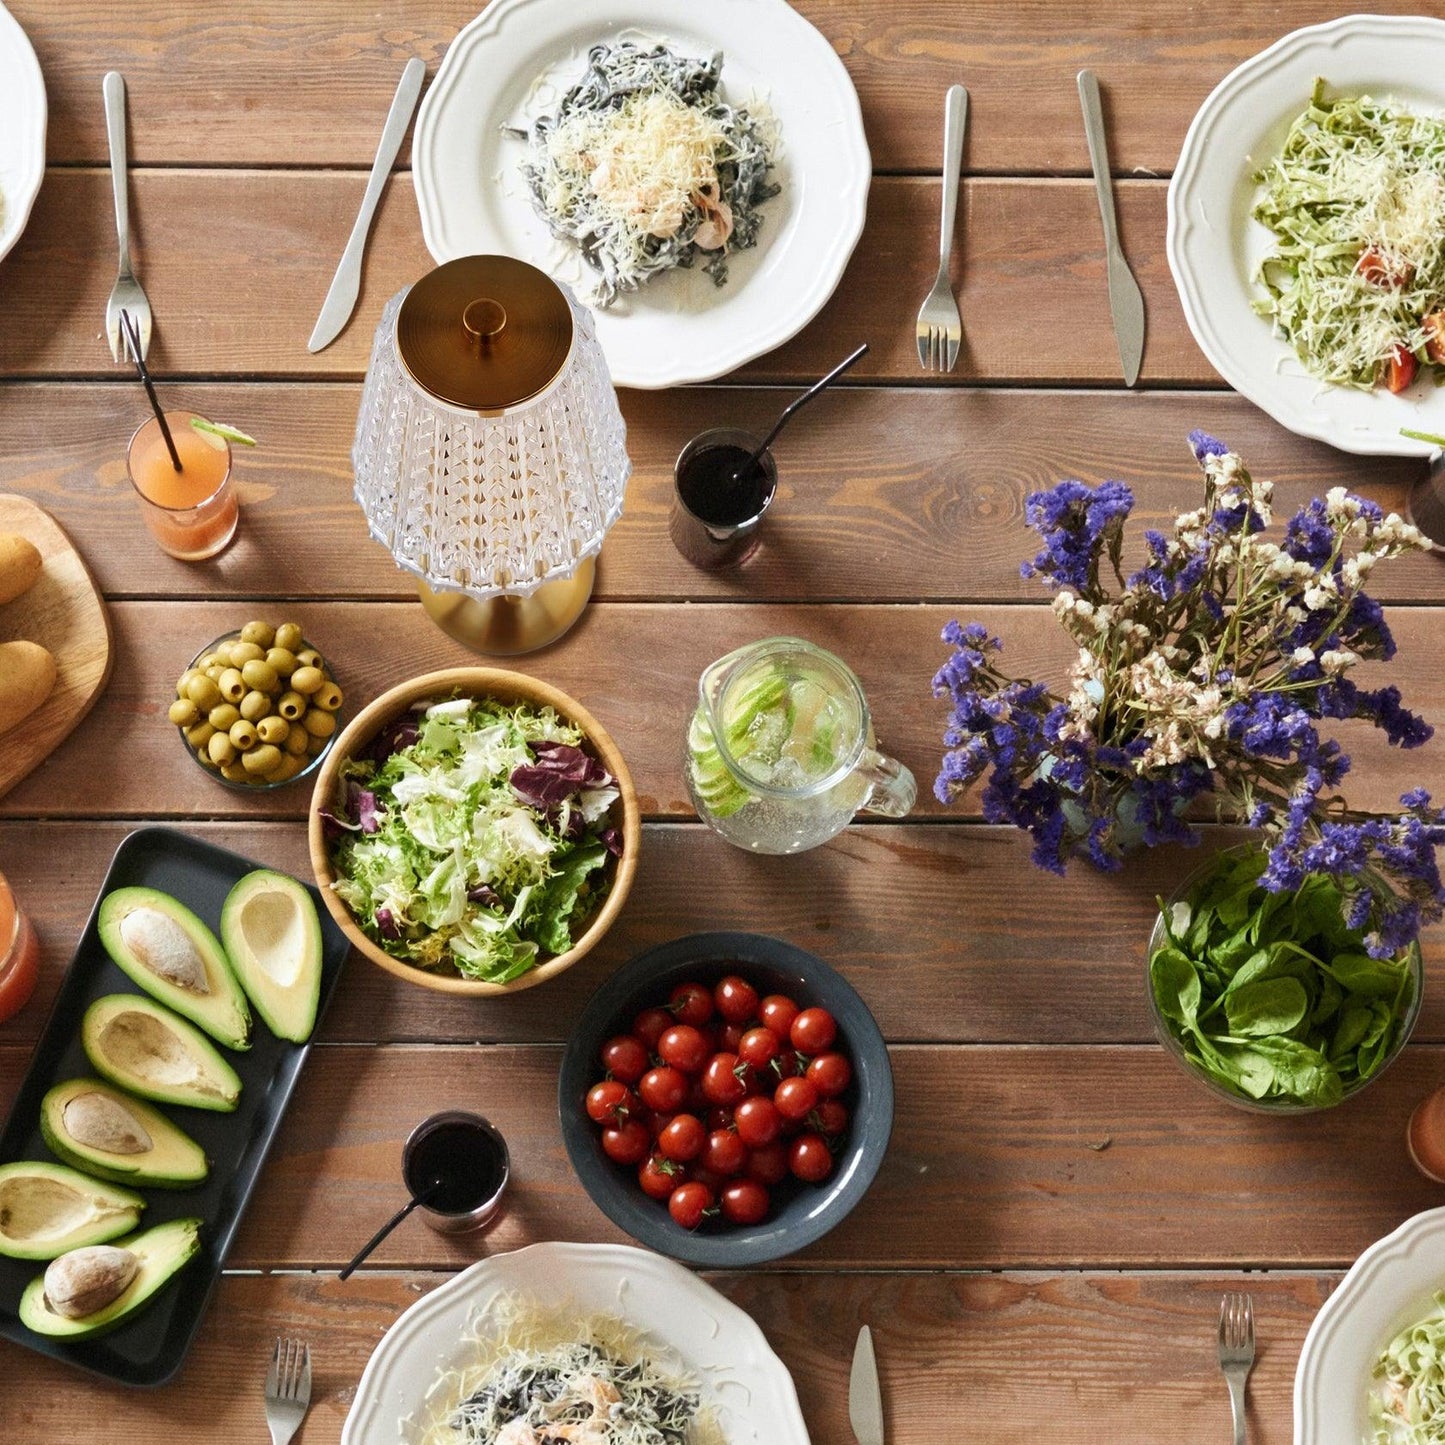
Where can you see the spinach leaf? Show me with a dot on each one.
(1267, 1006)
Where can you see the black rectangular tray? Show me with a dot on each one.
(149, 1349)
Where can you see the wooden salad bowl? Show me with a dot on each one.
(505, 686)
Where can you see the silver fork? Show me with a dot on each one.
(126, 294)
(1236, 1352)
(939, 328)
(288, 1389)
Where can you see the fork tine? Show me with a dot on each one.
(952, 350)
(920, 337)
(304, 1389)
(933, 359)
(274, 1373)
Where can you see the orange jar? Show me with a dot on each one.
(19, 954)
(1425, 1138)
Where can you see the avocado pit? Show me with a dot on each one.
(164, 947)
(84, 1281)
(100, 1122)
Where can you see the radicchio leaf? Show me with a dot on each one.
(334, 827)
(611, 839)
(485, 894)
(541, 788)
(571, 762)
(386, 924)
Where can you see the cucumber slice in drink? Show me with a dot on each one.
(226, 433)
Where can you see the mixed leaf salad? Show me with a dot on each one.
(1272, 995)
(474, 835)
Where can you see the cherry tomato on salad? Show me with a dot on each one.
(768, 1165)
(689, 1202)
(1400, 368)
(721, 1081)
(777, 1012)
(810, 1158)
(660, 1176)
(744, 1201)
(1380, 269)
(795, 1098)
(690, 1003)
(759, 1047)
(724, 1153)
(758, 1121)
(683, 1138)
(651, 1024)
(684, 1048)
(813, 1031)
(736, 999)
(830, 1074)
(626, 1142)
(663, 1088)
(625, 1058)
(609, 1101)
(1434, 327)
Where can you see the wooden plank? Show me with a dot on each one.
(310, 85)
(1039, 1356)
(1030, 266)
(643, 694)
(936, 476)
(979, 958)
(1001, 1157)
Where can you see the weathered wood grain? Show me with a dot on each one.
(240, 296)
(885, 494)
(1001, 1157)
(990, 950)
(274, 83)
(633, 665)
(1061, 1357)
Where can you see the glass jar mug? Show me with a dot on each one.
(19, 954)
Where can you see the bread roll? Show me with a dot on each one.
(20, 564)
(27, 674)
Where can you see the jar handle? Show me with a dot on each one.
(893, 792)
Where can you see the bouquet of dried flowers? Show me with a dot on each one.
(1207, 672)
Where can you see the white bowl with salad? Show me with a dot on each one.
(474, 831)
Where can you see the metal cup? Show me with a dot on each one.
(718, 544)
(485, 1136)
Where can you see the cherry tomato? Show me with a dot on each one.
(813, 1031)
(809, 1158)
(609, 1101)
(830, 1073)
(724, 1153)
(659, 1177)
(683, 1138)
(721, 1082)
(787, 1064)
(1434, 325)
(758, 1047)
(796, 1098)
(1379, 269)
(830, 1118)
(659, 1122)
(777, 1012)
(663, 1089)
(689, 1202)
(758, 1121)
(729, 1036)
(1400, 368)
(626, 1142)
(768, 1165)
(690, 1003)
(625, 1058)
(736, 999)
(744, 1201)
(711, 1178)
(651, 1024)
(717, 1117)
(684, 1048)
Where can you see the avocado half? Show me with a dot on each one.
(159, 1254)
(105, 1132)
(175, 958)
(273, 938)
(47, 1209)
(149, 1051)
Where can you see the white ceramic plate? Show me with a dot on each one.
(741, 1376)
(22, 129)
(679, 327)
(1390, 1285)
(1215, 245)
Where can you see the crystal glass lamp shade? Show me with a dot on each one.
(490, 505)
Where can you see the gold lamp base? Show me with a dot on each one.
(506, 626)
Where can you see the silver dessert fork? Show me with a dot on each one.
(939, 328)
(288, 1389)
(1236, 1352)
(126, 294)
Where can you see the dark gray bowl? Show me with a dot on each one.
(801, 1213)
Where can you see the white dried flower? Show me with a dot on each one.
(1337, 660)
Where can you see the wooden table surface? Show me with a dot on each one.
(1043, 1252)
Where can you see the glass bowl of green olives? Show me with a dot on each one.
(257, 708)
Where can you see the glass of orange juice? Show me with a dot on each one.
(192, 513)
(19, 954)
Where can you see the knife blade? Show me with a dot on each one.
(865, 1401)
(346, 284)
(1126, 301)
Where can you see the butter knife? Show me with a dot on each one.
(865, 1402)
(1126, 301)
(346, 284)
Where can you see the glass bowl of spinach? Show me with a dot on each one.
(1270, 999)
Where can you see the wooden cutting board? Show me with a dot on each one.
(64, 612)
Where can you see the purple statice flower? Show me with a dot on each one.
(1077, 523)
(1309, 536)
(1203, 445)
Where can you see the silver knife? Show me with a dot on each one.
(1126, 301)
(865, 1402)
(346, 284)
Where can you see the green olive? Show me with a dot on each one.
(232, 685)
(307, 680)
(273, 729)
(262, 759)
(221, 750)
(288, 635)
(282, 659)
(235, 773)
(255, 706)
(183, 712)
(199, 734)
(243, 734)
(319, 724)
(222, 716)
(185, 680)
(261, 633)
(286, 769)
(260, 675)
(309, 657)
(327, 698)
(244, 652)
(296, 739)
(203, 692)
(291, 705)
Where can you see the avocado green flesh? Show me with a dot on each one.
(161, 1252)
(149, 1051)
(171, 1159)
(47, 1210)
(273, 938)
(174, 957)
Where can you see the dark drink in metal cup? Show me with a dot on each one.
(719, 497)
(456, 1164)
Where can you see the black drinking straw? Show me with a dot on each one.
(132, 337)
(802, 401)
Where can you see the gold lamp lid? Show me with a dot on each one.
(484, 333)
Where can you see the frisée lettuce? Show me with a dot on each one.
(473, 835)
